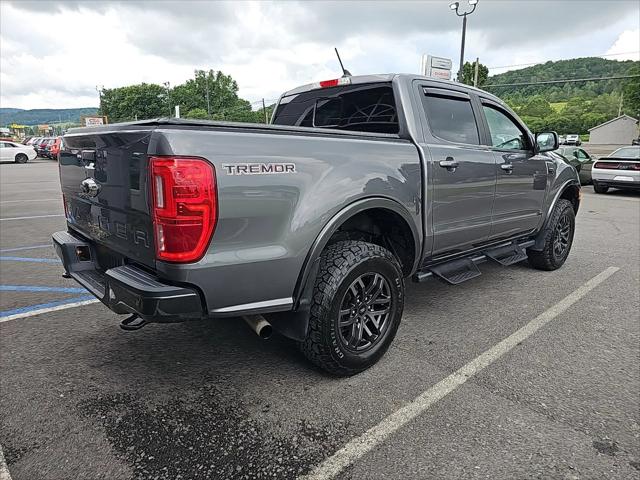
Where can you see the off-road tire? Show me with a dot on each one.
(599, 188)
(547, 258)
(341, 264)
(21, 158)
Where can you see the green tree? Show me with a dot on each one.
(631, 92)
(220, 89)
(537, 106)
(468, 73)
(197, 113)
(146, 100)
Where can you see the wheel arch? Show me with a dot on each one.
(351, 212)
(294, 324)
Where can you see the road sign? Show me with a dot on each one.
(92, 121)
(436, 67)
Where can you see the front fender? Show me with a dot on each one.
(566, 178)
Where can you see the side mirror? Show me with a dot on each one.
(547, 142)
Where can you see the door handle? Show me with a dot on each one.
(507, 167)
(449, 163)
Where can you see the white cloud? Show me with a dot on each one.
(627, 46)
(269, 47)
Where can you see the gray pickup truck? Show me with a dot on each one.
(310, 225)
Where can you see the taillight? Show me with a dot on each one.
(609, 165)
(184, 204)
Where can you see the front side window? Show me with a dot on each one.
(452, 119)
(505, 133)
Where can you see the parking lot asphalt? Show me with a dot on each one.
(82, 399)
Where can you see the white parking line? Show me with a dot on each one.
(40, 311)
(35, 216)
(360, 446)
(4, 470)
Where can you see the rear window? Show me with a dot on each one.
(361, 108)
(626, 152)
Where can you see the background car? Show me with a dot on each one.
(40, 145)
(54, 148)
(620, 169)
(580, 159)
(16, 152)
(573, 139)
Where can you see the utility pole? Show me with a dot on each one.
(620, 107)
(99, 89)
(264, 109)
(208, 104)
(455, 6)
(167, 85)
(475, 73)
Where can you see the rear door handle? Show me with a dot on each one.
(449, 163)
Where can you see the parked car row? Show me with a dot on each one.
(48, 147)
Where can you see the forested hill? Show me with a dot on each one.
(562, 70)
(43, 115)
(570, 107)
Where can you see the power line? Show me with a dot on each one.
(566, 80)
(540, 63)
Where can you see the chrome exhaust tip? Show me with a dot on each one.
(259, 325)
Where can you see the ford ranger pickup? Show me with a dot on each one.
(311, 225)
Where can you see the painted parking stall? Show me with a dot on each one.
(548, 359)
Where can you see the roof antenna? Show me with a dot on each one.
(345, 72)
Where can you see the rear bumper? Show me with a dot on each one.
(127, 289)
(616, 178)
(620, 185)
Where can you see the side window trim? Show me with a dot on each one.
(426, 91)
(484, 102)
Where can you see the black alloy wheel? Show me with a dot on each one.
(562, 237)
(364, 312)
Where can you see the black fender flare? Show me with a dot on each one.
(539, 239)
(294, 324)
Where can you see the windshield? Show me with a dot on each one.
(626, 152)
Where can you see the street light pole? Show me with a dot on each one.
(167, 85)
(456, 7)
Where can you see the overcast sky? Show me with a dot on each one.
(54, 54)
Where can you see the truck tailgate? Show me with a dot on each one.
(104, 182)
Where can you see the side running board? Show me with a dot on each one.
(457, 271)
(506, 255)
(462, 269)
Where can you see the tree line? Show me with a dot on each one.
(209, 95)
(572, 107)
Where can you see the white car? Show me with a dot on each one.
(16, 152)
(620, 169)
(572, 140)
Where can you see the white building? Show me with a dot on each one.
(617, 131)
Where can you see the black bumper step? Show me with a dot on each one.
(457, 271)
(507, 255)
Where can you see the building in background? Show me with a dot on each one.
(617, 131)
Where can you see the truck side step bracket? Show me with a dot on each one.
(506, 255)
(456, 271)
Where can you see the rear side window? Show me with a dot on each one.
(361, 108)
(452, 119)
